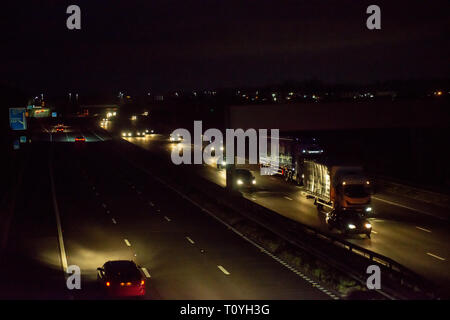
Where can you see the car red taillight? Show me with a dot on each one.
(108, 284)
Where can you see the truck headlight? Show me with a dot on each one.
(171, 139)
(254, 181)
(124, 134)
(351, 226)
(129, 134)
(239, 181)
(369, 209)
(368, 225)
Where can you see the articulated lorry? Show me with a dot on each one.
(292, 153)
(337, 187)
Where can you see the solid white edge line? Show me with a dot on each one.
(114, 221)
(223, 270)
(286, 197)
(167, 218)
(409, 208)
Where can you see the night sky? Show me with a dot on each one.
(160, 45)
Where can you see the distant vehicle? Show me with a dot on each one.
(80, 139)
(292, 153)
(244, 178)
(60, 129)
(350, 222)
(336, 186)
(176, 138)
(222, 164)
(149, 131)
(121, 278)
(133, 133)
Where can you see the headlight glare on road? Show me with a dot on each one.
(368, 225)
(351, 226)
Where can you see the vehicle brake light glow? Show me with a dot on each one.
(108, 284)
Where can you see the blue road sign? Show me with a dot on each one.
(54, 114)
(17, 119)
(23, 139)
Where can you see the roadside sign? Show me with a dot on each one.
(54, 114)
(23, 139)
(17, 119)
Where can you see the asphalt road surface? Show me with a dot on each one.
(109, 210)
(407, 231)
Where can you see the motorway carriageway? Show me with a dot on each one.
(400, 231)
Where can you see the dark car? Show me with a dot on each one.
(60, 129)
(121, 278)
(244, 178)
(349, 222)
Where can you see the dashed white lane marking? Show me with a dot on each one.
(286, 197)
(167, 218)
(374, 232)
(114, 221)
(144, 270)
(406, 207)
(127, 242)
(223, 270)
(423, 229)
(435, 256)
(190, 240)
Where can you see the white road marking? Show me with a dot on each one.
(127, 242)
(286, 197)
(423, 229)
(435, 256)
(146, 272)
(114, 221)
(151, 204)
(223, 270)
(190, 240)
(374, 232)
(167, 218)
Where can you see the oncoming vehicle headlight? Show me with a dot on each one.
(124, 134)
(254, 181)
(351, 226)
(129, 134)
(368, 209)
(146, 130)
(239, 181)
(151, 131)
(221, 148)
(368, 225)
(171, 139)
(224, 163)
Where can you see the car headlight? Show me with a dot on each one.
(152, 131)
(129, 134)
(224, 163)
(368, 209)
(171, 139)
(351, 226)
(146, 130)
(254, 181)
(239, 181)
(221, 148)
(124, 134)
(212, 148)
(368, 225)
